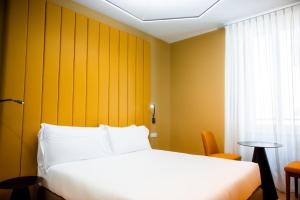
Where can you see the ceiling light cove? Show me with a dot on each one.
(158, 10)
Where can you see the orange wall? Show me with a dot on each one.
(38, 68)
(72, 70)
(160, 70)
(166, 62)
(197, 91)
(2, 6)
(161, 81)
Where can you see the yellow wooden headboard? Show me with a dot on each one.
(70, 70)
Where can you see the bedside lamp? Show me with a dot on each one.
(152, 106)
(19, 185)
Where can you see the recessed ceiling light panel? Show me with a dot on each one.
(153, 10)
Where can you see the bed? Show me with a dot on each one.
(150, 174)
(154, 174)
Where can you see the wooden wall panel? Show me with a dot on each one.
(51, 64)
(92, 74)
(139, 86)
(104, 74)
(146, 90)
(79, 97)
(123, 79)
(70, 70)
(131, 78)
(114, 78)
(12, 86)
(65, 92)
(33, 84)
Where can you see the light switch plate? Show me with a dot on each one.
(153, 135)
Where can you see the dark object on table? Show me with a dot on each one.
(20, 185)
(292, 170)
(260, 157)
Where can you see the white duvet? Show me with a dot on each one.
(154, 175)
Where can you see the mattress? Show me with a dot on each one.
(154, 174)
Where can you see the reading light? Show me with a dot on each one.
(18, 101)
(152, 107)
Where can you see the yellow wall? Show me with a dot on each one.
(161, 80)
(72, 70)
(12, 86)
(2, 6)
(160, 71)
(197, 91)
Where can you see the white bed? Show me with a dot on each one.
(154, 175)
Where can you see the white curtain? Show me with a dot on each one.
(262, 87)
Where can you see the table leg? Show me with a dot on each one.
(296, 187)
(20, 194)
(268, 186)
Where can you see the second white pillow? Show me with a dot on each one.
(128, 139)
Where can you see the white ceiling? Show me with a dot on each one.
(174, 20)
(163, 10)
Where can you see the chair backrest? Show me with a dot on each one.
(209, 143)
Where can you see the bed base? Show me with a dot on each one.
(45, 194)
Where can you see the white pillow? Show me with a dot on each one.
(128, 139)
(61, 144)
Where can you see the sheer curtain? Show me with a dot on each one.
(262, 87)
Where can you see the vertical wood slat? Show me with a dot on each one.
(79, 101)
(51, 64)
(65, 97)
(146, 90)
(139, 83)
(123, 71)
(33, 85)
(114, 78)
(131, 79)
(12, 77)
(92, 74)
(104, 74)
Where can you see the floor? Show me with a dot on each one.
(281, 196)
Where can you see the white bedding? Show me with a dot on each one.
(154, 175)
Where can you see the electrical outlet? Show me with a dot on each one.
(153, 135)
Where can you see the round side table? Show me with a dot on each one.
(20, 185)
(260, 157)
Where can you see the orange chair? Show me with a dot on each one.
(211, 148)
(292, 170)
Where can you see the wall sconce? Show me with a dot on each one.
(152, 107)
(13, 100)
